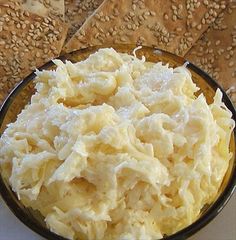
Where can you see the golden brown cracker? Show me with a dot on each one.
(172, 25)
(215, 52)
(27, 41)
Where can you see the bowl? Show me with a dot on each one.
(20, 96)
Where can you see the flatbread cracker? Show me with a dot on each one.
(172, 25)
(216, 50)
(27, 41)
(77, 11)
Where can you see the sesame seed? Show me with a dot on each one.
(129, 26)
(194, 24)
(178, 29)
(38, 54)
(166, 17)
(174, 18)
(132, 14)
(210, 50)
(222, 6)
(199, 27)
(190, 39)
(217, 42)
(152, 13)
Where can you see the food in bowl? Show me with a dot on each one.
(114, 147)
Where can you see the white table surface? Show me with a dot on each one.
(223, 227)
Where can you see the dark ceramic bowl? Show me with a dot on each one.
(20, 96)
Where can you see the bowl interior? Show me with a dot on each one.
(21, 95)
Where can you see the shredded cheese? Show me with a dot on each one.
(114, 147)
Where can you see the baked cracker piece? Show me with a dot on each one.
(172, 25)
(27, 41)
(77, 11)
(215, 52)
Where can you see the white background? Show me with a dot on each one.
(223, 227)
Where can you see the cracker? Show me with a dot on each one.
(172, 25)
(27, 41)
(216, 50)
(77, 11)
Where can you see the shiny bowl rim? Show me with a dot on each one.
(186, 232)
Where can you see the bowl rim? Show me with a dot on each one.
(186, 232)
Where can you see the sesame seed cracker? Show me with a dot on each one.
(215, 51)
(23, 40)
(155, 21)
